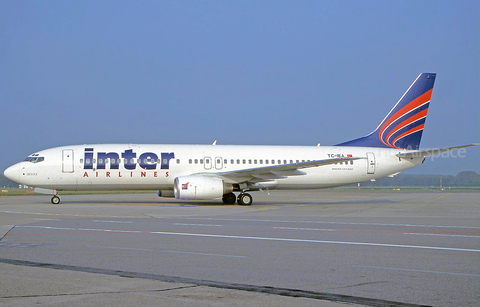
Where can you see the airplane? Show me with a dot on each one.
(208, 172)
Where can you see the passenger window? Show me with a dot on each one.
(266, 161)
(189, 161)
(178, 161)
(255, 161)
(196, 161)
(244, 161)
(206, 161)
(81, 160)
(249, 161)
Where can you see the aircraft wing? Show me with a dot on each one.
(425, 153)
(272, 172)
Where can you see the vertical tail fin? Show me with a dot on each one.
(403, 126)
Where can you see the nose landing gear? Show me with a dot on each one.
(55, 200)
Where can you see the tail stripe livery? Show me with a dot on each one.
(418, 129)
(417, 117)
(412, 121)
(402, 128)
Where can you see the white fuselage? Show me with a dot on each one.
(155, 167)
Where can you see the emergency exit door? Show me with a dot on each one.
(218, 163)
(207, 163)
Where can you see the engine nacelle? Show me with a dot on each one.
(200, 187)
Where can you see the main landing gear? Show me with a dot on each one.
(243, 199)
(229, 199)
(55, 200)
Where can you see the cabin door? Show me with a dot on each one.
(370, 163)
(67, 160)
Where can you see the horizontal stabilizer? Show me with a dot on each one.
(430, 152)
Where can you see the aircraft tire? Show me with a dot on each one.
(229, 199)
(55, 200)
(245, 199)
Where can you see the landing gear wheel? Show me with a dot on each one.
(229, 199)
(245, 199)
(55, 200)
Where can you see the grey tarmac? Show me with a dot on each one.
(302, 248)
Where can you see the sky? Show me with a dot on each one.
(239, 72)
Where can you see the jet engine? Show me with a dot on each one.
(200, 187)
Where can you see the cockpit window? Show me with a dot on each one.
(34, 159)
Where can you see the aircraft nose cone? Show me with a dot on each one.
(13, 173)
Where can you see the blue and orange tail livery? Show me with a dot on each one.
(403, 126)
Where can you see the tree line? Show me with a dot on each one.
(462, 179)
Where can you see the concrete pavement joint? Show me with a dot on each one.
(215, 284)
